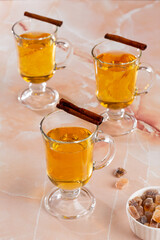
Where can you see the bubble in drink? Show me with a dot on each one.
(75, 137)
(64, 137)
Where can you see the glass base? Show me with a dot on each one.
(39, 100)
(118, 125)
(69, 204)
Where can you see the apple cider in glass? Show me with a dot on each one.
(36, 52)
(70, 164)
(116, 74)
(69, 145)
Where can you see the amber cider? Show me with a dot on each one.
(116, 74)
(36, 51)
(69, 163)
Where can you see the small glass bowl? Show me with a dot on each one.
(142, 231)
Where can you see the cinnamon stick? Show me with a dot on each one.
(126, 41)
(80, 112)
(44, 19)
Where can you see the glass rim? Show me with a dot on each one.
(64, 142)
(29, 19)
(115, 64)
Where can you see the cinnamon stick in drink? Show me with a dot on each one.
(80, 112)
(44, 19)
(126, 41)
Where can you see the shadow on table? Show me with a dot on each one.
(96, 222)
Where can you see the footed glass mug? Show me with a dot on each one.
(69, 143)
(116, 67)
(36, 43)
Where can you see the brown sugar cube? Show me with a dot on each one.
(148, 215)
(157, 199)
(140, 210)
(137, 201)
(146, 224)
(121, 183)
(153, 207)
(151, 193)
(134, 213)
(149, 205)
(158, 207)
(156, 216)
(143, 219)
(148, 201)
(119, 172)
(153, 224)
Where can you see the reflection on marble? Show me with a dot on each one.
(23, 180)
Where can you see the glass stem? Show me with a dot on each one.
(70, 194)
(116, 114)
(37, 88)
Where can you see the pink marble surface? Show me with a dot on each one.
(23, 180)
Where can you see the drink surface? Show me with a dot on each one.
(116, 74)
(36, 52)
(69, 164)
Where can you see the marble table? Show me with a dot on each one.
(23, 180)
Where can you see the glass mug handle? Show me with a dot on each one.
(149, 82)
(107, 159)
(63, 45)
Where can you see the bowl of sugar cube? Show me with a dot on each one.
(143, 211)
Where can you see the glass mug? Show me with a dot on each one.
(36, 43)
(69, 143)
(116, 67)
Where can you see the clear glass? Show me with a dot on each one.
(69, 146)
(116, 67)
(36, 43)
